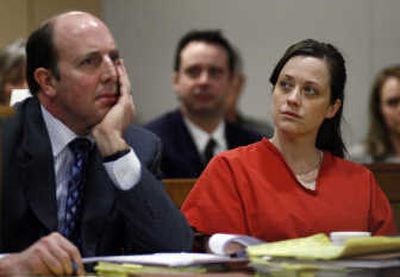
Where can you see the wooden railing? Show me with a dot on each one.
(178, 189)
(388, 177)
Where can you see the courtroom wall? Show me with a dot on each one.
(19, 17)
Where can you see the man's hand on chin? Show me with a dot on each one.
(108, 133)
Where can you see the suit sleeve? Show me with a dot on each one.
(154, 223)
(155, 165)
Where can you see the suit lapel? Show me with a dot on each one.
(35, 161)
(185, 140)
(232, 136)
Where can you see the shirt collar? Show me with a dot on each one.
(60, 135)
(201, 137)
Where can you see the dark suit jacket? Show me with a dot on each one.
(180, 158)
(140, 220)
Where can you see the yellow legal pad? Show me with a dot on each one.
(319, 246)
(115, 269)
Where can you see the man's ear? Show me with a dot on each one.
(175, 82)
(332, 109)
(46, 80)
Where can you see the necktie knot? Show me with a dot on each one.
(79, 145)
(209, 150)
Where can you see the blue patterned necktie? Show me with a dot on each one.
(80, 148)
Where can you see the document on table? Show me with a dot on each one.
(166, 259)
(320, 247)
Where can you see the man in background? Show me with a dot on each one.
(191, 135)
(73, 163)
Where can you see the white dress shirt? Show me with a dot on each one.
(201, 137)
(124, 172)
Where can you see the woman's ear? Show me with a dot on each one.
(44, 77)
(333, 108)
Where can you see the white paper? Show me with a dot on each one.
(218, 242)
(341, 263)
(18, 95)
(164, 259)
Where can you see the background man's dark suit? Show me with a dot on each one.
(142, 219)
(180, 158)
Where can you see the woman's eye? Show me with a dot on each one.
(310, 91)
(285, 85)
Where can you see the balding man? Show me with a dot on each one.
(73, 163)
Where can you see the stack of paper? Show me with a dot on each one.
(317, 253)
(159, 262)
(320, 247)
(163, 259)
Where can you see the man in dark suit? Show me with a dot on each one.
(110, 203)
(204, 68)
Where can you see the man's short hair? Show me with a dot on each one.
(41, 52)
(208, 36)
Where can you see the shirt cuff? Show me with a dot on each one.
(124, 172)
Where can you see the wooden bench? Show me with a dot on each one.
(178, 189)
(388, 177)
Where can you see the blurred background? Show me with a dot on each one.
(366, 31)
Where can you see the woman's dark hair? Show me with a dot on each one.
(378, 142)
(329, 135)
